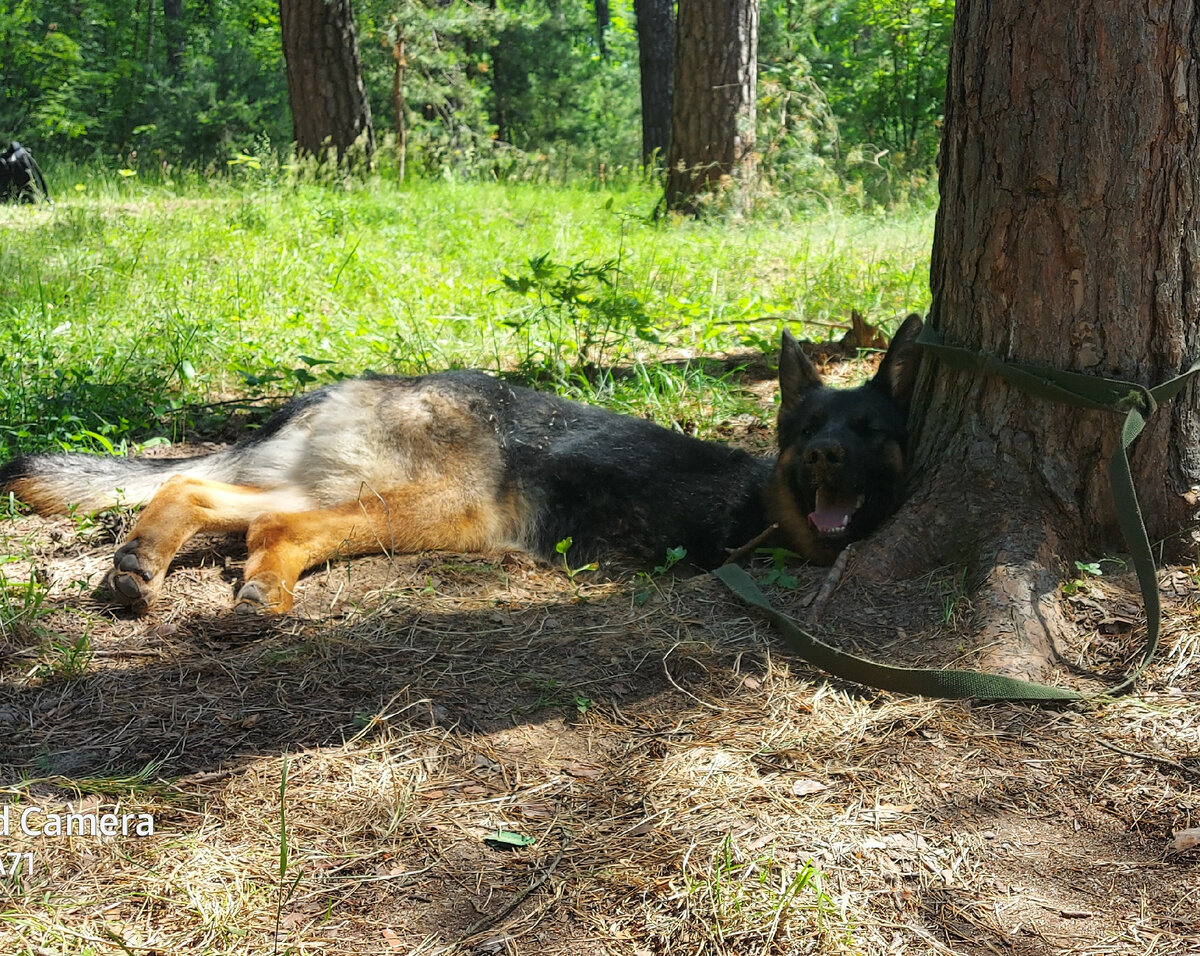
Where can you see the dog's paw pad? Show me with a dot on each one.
(125, 586)
(255, 597)
(129, 590)
(128, 559)
(131, 581)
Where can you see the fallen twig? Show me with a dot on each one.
(490, 920)
(750, 546)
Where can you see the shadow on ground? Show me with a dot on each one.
(689, 786)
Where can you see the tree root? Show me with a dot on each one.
(1010, 556)
(1018, 620)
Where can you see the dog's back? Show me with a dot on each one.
(534, 466)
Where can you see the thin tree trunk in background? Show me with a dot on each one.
(656, 61)
(149, 31)
(712, 113)
(176, 35)
(324, 72)
(398, 106)
(603, 20)
(1066, 236)
(498, 75)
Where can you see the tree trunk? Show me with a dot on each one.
(712, 115)
(499, 111)
(176, 36)
(324, 72)
(149, 32)
(1065, 237)
(603, 20)
(398, 105)
(656, 61)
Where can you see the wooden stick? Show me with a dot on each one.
(491, 920)
(832, 579)
(750, 546)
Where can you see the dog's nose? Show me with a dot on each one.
(824, 455)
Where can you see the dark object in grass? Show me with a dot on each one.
(21, 179)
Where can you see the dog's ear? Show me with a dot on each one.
(796, 373)
(897, 374)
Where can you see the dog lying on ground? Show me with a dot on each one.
(462, 461)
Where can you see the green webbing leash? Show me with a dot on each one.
(955, 684)
(1137, 403)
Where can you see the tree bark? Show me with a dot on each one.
(712, 114)
(656, 62)
(329, 102)
(398, 105)
(176, 36)
(1065, 236)
(603, 20)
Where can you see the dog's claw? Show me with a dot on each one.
(130, 581)
(126, 559)
(253, 599)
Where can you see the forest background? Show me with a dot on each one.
(849, 91)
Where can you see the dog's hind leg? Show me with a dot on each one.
(183, 507)
(436, 514)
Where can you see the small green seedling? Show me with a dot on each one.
(674, 556)
(66, 659)
(22, 603)
(777, 574)
(562, 548)
(1087, 570)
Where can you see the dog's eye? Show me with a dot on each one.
(810, 427)
(863, 427)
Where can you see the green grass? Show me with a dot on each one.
(127, 307)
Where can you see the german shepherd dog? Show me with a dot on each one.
(462, 461)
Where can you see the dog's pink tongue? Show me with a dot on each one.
(830, 517)
(829, 520)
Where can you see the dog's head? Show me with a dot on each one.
(841, 464)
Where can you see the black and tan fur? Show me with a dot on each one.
(462, 461)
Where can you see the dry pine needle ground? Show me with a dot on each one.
(326, 783)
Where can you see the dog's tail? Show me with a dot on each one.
(56, 483)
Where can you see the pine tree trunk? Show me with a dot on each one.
(656, 61)
(176, 36)
(1065, 236)
(329, 102)
(603, 21)
(712, 114)
(398, 105)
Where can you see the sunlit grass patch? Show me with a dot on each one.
(126, 305)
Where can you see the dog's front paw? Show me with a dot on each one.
(132, 581)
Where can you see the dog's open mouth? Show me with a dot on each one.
(832, 513)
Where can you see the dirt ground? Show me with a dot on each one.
(328, 782)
